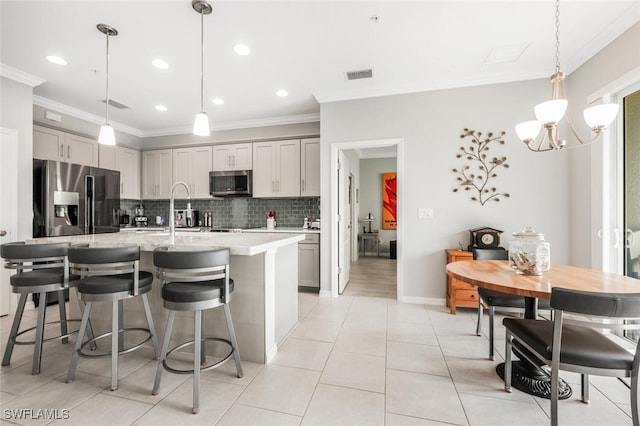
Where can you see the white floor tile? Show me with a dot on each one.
(333, 405)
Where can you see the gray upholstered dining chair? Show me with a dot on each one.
(493, 299)
(577, 342)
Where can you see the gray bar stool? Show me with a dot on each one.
(195, 281)
(111, 275)
(40, 269)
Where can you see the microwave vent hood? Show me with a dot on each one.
(234, 183)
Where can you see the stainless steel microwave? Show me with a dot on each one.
(236, 183)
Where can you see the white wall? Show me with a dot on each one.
(16, 113)
(430, 124)
(371, 170)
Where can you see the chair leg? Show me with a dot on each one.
(584, 383)
(491, 333)
(507, 363)
(115, 342)
(234, 342)
(203, 355)
(37, 349)
(62, 309)
(76, 350)
(92, 345)
(11, 342)
(555, 377)
(163, 353)
(152, 329)
(479, 324)
(197, 342)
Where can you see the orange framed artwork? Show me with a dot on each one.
(389, 201)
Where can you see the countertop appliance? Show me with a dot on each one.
(187, 218)
(71, 199)
(235, 183)
(141, 221)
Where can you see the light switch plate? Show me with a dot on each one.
(425, 213)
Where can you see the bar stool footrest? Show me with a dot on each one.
(122, 351)
(205, 368)
(48, 339)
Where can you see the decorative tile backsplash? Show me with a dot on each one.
(241, 212)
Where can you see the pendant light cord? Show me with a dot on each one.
(557, 36)
(106, 103)
(202, 60)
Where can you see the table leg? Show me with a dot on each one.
(528, 377)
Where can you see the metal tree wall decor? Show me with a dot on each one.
(477, 179)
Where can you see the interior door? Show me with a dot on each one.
(8, 210)
(344, 245)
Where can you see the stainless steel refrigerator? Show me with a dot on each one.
(70, 199)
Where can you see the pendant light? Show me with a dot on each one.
(107, 135)
(550, 113)
(201, 123)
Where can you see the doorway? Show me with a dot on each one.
(344, 218)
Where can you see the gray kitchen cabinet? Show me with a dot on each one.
(127, 162)
(192, 166)
(51, 144)
(309, 261)
(276, 169)
(310, 167)
(157, 174)
(232, 157)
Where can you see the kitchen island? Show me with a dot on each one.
(264, 267)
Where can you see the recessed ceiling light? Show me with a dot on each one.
(160, 64)
(56, 60)
(282, 93)
(161, 108)
(241, 49)
(217, 101)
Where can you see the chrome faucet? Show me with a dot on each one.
(172, 214)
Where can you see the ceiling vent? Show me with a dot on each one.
(357, 75)
(116, 104)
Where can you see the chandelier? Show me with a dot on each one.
(550, 113)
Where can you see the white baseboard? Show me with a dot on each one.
(424, 300)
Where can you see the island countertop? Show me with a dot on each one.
(243, 244)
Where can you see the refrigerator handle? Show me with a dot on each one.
(89, 218)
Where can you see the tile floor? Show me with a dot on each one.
(350, 361)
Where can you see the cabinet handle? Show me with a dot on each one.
(229, 161)
(303, 184)
(61, 150)
(122, 188)
(273, 186)
(68, 151)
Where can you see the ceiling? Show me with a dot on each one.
(305, 47)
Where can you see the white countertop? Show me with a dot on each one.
(278, 229)
(246, 244)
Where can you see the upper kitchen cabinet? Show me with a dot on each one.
(127, 162)
(192, 166)
(276, 169)
(232, 157)
(157, 174)
(310, 167)
(49, 144)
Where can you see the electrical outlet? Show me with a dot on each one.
(425, 213)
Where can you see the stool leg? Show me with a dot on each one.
(196, 361)
(163, 353)
(62, 308)
(234, 342)
(90, 336)
(115, 342)
(37, 350)
(203, 356)
(152, 328)
(14, 329)
(492, 311)
(76, 350)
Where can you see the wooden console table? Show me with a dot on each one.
(460, 293)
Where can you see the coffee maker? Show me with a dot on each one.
(140, 220)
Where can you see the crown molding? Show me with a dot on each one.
(20, 76)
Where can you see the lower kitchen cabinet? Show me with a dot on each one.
(309, 261)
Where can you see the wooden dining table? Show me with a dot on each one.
(499, 276)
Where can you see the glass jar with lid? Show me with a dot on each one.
(529, 253)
